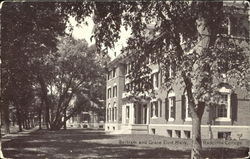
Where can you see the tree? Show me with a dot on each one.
(74, 68)
(186, 36)
(29, 31)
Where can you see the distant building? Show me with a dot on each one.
(86, 119)
(166, 113)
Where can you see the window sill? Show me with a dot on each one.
(188, 119)
(154, 117)
(222, 119)
(156, 88)
(171, 119)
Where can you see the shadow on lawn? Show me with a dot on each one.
(76, 143)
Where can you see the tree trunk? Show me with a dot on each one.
(64, 120)
(19, 120)
(40, 115)
(40, 119)
(6, 120)
(196, 137)
(1, 152)
(46, 100)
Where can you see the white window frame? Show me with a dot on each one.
(228, 92)
(170, 95)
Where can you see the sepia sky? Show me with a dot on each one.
(84, 31)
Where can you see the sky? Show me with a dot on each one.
(84, 31)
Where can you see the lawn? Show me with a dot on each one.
(79, 143)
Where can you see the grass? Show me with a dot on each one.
(80, 143)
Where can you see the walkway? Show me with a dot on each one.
(79, 143)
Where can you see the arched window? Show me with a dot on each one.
(115, 112)
(108, 113)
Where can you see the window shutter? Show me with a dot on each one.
(183, 108)
(174, 106)
(234, 107)
(166, 108)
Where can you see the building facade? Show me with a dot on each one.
(166, 111)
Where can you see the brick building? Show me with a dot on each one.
(166, 112)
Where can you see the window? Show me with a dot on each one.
(115, 91)
(107, 119)
(155, 78)
(223, 106)
(115, 112)
(109, 93)
(110, 114)
(224, 135)
(127, 112)
(153, 131)
(187, 134)
(109, 75)
(170, 134)
(172, 107)
(178, 133)
(114, 72)
(154, 109)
